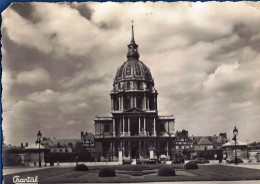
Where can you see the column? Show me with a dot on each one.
(135, 102)
(119, 99)
(144, 101)
(139, 125)
(128, 126)
(151, 152)
(112, 104)
(120, 156)
(144, 125)
(155, 102)
(139, 149)
(154, 126)
(122, 102)
(111, 151)
(113, 146)
(168, 128)
(148, 107)
(120, 126)
(123, 126)
(131, 102)
(129, 149)
(167, 149)
(114, 127)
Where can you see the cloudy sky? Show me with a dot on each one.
(59, 61)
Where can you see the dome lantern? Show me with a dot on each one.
(133, 47)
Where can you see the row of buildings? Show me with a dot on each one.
(84, 149)
(135, 126)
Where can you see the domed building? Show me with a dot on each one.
(134, 126)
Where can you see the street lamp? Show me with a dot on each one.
(39, 137)
(235, 132)
(77, 160)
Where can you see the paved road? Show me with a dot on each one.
(204, 182)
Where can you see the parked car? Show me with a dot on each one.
(127, 161)
(233, 160)
(153, 161)
(148, 161)
(201, 161)
(178, 161)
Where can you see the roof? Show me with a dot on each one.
(204, 141)
(232, 143)
(103, 118)
(88, 137)
(65, 141)
(183, 135)
(133, 68)
(34, 146)
(55, 146)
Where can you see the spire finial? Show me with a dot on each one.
(133, 39)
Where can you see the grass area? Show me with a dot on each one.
(135, 167)
(147, 173)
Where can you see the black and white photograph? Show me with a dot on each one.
(131, 92)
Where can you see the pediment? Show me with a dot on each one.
(134, 110)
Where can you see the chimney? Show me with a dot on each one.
(26, 144)
(21, 145)
(82, 134)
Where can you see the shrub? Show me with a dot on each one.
(191, 165)
(166, 171)
(138, 168)
(107, 172)
(81, 167)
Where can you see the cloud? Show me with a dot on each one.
(37, 76)
(59, 61)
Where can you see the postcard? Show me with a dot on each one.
(131, 92)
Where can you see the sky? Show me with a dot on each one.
(60, 59)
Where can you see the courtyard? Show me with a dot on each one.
(138, 173)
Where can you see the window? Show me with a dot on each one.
(66, 150)
(60, 150)
(128, 102)
(106, 128)
(128, 85)
(138, 85)
(177, 147)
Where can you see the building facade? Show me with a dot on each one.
(209, 147)
(134, 126)
(183, 145)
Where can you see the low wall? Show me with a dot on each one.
(70, 164)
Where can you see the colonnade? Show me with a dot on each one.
(141, 148)
(124, 127)
(117, 103)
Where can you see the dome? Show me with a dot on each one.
(133, 69)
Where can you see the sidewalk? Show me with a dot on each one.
(246, 165)
(7, 171)
(203, 182)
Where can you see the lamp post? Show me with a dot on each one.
(235, 132)
(39, 137)
(77, 160)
